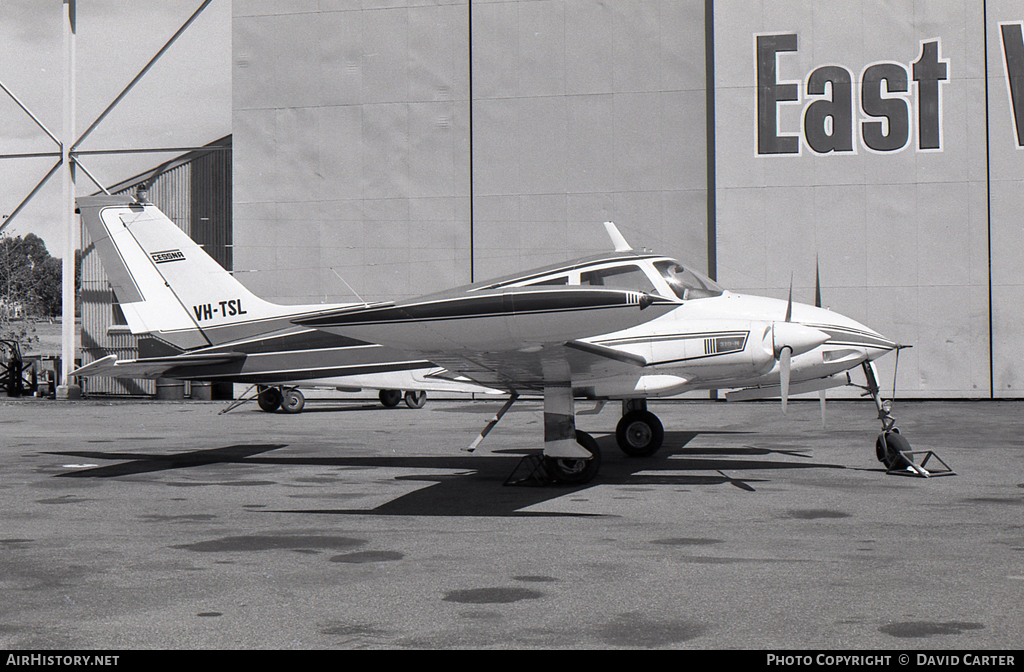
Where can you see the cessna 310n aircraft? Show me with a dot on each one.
(624, 326)
(202, 324)
(536, 332)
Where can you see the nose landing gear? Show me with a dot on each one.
(891, 448)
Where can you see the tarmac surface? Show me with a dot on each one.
(137, 525)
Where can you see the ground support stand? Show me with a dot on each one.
(891, 448)
(928, 454)
(238, 402)
(13, 369)
(536, 473)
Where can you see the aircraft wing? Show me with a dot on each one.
(515, 339)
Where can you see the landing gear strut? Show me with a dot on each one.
(570, 456)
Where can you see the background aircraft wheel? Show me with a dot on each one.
(293, 401)
(390, 398)
(639, 433)
(888, 450)
(415, 398)
(270, 399)
(576, 472)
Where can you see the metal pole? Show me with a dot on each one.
(67, 351)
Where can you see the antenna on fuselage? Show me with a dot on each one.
(617, 240)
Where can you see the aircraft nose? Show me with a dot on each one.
(845, 331)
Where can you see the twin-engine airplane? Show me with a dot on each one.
(623, 326)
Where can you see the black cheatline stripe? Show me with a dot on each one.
(676, 337)
(482, 306)
(471, 316)
(325, 372)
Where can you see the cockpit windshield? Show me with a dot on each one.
(685, 283)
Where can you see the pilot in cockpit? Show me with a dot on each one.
(687, 284)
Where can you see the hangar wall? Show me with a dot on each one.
(877, 138)
(403, 147)
(399, 147)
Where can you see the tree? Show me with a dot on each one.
(30, 279)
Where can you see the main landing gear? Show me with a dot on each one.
(288, 399)
(639, 433)
(270, 398)
(572, 456)
(413, 398)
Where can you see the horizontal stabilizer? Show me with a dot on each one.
(152, 367)
(773, 391)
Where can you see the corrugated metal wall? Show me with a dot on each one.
(194, 191)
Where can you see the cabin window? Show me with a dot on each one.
(561, 280)
(618, 277)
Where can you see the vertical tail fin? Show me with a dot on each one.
(166, 284)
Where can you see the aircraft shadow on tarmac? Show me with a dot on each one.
(476, 489)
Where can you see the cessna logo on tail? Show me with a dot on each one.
(208, 311)
(166, 256)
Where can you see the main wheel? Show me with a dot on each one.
(639, 433)
(390, 398)
(415, 398)
(269, 399)
(573, 471)
(293, 401)
(890, 448)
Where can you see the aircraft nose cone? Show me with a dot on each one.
(842, 330)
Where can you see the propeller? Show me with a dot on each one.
(786, 353)
(792, 338)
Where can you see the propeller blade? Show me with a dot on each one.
(817, 283)
(789, 304)
(784, 363)
(821, 397)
